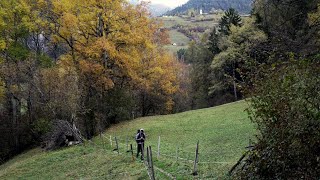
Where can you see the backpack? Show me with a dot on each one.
(138, 136)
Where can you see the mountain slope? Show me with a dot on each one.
(158, 9)
(223, 133)
(154, 9)
(242, 6)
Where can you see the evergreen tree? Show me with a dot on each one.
(213, 42)
(200, 58)
(230, 17)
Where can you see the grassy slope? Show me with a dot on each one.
(72, 163)
(223, 133)
(177, 37)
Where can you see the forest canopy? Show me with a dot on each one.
(92, 63)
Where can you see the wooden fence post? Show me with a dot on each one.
(158, 155)
(151, 163)
(117, 146)
(148, 158)
(131, 149)
(195, 170)
(142, 150)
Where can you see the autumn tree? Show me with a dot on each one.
(158, 82)
(112, 45)
(86, 62)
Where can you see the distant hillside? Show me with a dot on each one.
(242, 6)
(158, 9)
(155, 9)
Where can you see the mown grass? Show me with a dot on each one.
(222, 132)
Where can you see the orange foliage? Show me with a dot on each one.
(96, 73)
(162, 37)
(111, 38)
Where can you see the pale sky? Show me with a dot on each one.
(170, 3)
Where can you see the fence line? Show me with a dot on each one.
(181, 158)
(117, 141)
(94, 144)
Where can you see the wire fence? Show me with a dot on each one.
(114, 143)
(197, 163)
(123, 174)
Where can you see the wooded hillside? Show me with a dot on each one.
(92, 63)
(242, 6)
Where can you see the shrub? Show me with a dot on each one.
(285, 107)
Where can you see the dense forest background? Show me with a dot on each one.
(92, 63)
(242, 6)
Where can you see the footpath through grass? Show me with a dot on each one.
(223, 133)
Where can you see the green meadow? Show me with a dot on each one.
(223, 133)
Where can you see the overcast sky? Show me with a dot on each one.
(170, 3)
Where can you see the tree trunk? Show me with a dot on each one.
(15, 127)
(30, 108)
(234, 85)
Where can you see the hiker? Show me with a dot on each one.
(139, 145)
(140, 137)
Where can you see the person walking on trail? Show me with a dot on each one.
(139, 143)
(140, 138)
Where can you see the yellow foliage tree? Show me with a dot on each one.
(110, 33)
(158, 81)
(112, 40)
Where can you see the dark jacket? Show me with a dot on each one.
(140, 137)
(143, 137)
